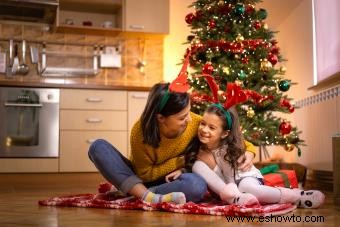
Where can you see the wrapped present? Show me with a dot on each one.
(281, 178)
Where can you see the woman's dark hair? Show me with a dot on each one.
(234, 142)
(175, 104)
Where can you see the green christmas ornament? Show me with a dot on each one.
(284, 85)
(239, 9)
(242, 75)
(262, 14)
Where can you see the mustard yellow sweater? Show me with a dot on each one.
(151, 163)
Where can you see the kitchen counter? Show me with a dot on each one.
(75, 82)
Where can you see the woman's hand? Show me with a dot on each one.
(173, 176)
(207, 158)
(246, 161)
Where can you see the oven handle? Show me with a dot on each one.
(23, 104)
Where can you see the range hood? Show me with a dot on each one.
(36, 11)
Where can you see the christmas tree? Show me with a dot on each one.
(231, 42)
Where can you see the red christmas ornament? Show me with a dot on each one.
(274, 50)
(189, 18)
(272, 58)
(250, 9)
(285, 103)
(208, 69)
(285, 128)
(291, 109)
(212, 24)
(257, 24)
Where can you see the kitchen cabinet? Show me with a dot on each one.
(100, 16)
(136, 103)
(150, 16)
(105, 17)
(87, 115)
(28, 165)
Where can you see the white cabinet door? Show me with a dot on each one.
(136, 104)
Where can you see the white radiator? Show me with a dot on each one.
(318, 117)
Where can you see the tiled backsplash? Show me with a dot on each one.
(134, 49)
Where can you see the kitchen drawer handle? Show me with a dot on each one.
(94, 99)
(23, 104)
(137, 27)
(94, 120)
(139, 96)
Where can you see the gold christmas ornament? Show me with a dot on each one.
(239, 38)
(265, 65)
(250, 112)
(221, 3)
(283, 69)
(226, 70)
(265, 26)
(289, 147)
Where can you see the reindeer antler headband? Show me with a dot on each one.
(234, 95)
(180, 84)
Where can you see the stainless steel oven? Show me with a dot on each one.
(29, 122)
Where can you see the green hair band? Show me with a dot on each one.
(226, 114)
(164, 100)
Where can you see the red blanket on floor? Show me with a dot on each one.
(209, 206)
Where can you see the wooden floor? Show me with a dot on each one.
(19, 195)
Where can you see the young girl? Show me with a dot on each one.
(219, 133)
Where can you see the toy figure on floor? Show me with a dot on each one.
(219, 133)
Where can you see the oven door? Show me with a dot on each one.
(30, 126)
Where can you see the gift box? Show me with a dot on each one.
(281, 178)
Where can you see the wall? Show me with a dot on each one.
(174, 48)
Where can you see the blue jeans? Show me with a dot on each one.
(119, 172)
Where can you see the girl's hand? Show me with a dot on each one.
(207, 158)
(173, 176)
(246, 161)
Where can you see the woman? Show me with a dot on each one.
(158, 141)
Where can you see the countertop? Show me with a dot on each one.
(74, 83)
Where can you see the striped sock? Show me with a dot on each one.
(175, 197)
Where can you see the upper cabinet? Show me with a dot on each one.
(107, 16)
(88, 15)
(150, 16)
